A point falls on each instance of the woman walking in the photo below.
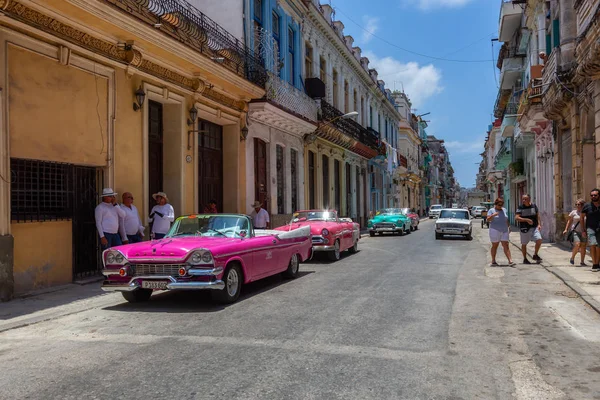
(575, 233)
(497, 217)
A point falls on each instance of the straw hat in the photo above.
(161, 194)
(256, 204)
(108, 192)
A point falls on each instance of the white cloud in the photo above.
(419, 82)
(371, 27)
(427, 5)
(474, 146)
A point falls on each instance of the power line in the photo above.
(494, 66)
(407, 50)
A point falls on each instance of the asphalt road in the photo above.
(405, 318)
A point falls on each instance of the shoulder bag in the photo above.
(571, 234)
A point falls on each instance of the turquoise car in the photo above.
(389, 220)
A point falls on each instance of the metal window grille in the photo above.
(280, 178)
(41, 190)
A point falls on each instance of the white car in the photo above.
(434, 211)
(454, 221)
(476, 211)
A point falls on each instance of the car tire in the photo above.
(293, 267)
(470, 236)
(354, 249)
(233, 285)
(417, 227)
(438, 236)
(371, 234)
(138, 295)
(336, 254)
(400, 232)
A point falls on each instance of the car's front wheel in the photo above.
(293, 267)
(438, 236)
(335, 254)
(371, 234)
(138, 295)
(354, 248)
(233, 285)
(470, 236)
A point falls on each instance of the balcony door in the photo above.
(260, 172)
(210, 165)
(155, 150)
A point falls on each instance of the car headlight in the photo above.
(325, 232)
(113, 257)
(200, 257)
(110, 258)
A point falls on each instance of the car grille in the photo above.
(457, 226)
(156, 269)
(385, 225)
(318, 240)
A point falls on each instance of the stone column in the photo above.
(568, 32)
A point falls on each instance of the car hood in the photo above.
(316, 227)
(388, 218)
(453, 221)
(174, 248)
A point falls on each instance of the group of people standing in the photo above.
(582, 229)
(121, 224)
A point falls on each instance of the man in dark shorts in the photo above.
(527, 216)
(590, 217)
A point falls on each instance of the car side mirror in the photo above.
(243, 234)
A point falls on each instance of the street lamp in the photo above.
(311, 137)
(345, 116)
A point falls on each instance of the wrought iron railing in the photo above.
(348, 126)
(290, 98)
(551, 68)
(185, 23)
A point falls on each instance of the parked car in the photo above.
(217, 252)
(329, 233)
(414, 218)
(454, 221)
(434, 210)
(389, 220)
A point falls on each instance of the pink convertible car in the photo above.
(219, 252)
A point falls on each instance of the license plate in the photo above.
(452, 230)
(154, 285)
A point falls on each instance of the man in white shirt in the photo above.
(260, 216)
(161, 216)
(130, 227)
(107, 219)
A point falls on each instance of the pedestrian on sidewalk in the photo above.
(497, 217)
(107, 216)
(527, 216)
(575, 235)
(211, 208)
(591, 225)
(260, 216)
(130, 227)
(161, 216)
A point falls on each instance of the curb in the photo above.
(566, 279)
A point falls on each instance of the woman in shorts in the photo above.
(574, 224)
(499, 230)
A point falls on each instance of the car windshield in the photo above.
(405, 211)
(302, 216)
(208, 225)
(436, 207)
(456, 214)
(389, 211)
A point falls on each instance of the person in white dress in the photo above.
(107, 216)
(161, 216)
(130, 227)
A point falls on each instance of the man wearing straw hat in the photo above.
(260, 216)
(161, 216)
(107, 215)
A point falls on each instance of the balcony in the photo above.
(510, 19)
(551, 68)
(512, 70)
(186, 24)
(588, 53)
(290, 98)
(507, 128)
(348, 133)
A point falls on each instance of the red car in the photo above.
(329, 233)
(414, 218)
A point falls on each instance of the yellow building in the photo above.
(107, 93)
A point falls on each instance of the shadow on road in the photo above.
(320, 258)
(200, 300)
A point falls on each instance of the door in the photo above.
(155, 150)
(358, 193)
(87, 182)
(210, 165)
(260, 173)
(337, 186)
(348, 191)
(312, 195)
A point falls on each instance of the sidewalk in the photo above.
(556, 260)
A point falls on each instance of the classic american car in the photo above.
(414, 218)
(219, 252)
(329, 233)
(389, 220)
(454, 221)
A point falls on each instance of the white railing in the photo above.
(289, 97)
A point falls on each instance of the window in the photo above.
(294, 178)
(358, 191)
(334, 78)
(325, 161)
(291, 54)
(337, 190)
(311, 180)
(370, 117)
(355, 101)
(40, 190)
(323, 70)
(276, 30)
(362, 110)
(308, 60)
(280, 180)
(257, 23)
(346, 97)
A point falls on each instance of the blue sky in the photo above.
(459, 95)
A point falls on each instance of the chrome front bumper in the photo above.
(134, 282)
(395, 229)
(322, 248)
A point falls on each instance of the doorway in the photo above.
(260, 173)
(155, 150)
(210, 164)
